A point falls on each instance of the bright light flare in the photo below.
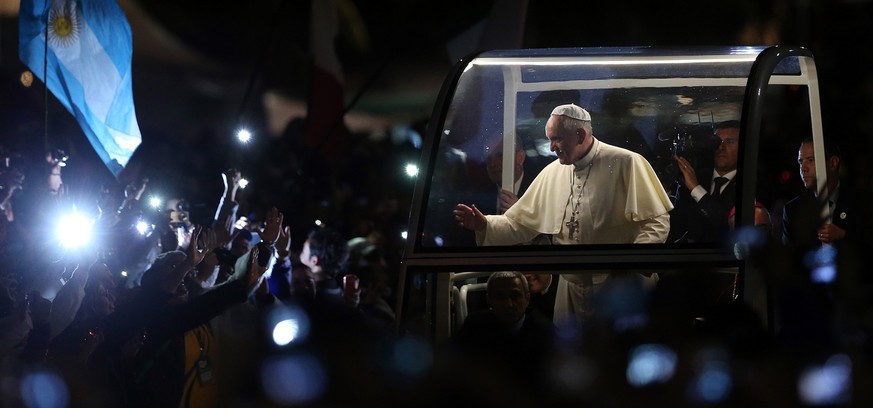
(142, 227)
(243, 135)
(155, 202)
(243, 183)
(318, 223)
(411, 170)
(74, 230)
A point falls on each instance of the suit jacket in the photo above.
(545, 302)
(483, 336)
(705, 220)
(801, 219)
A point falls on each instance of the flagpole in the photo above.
(45, 91)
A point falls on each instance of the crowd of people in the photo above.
(124, 300)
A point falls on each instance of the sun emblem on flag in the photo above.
(63, 24)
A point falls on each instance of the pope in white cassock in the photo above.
(594, 193)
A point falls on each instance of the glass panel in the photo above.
(657, 123)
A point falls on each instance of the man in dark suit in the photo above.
(702, 207)
(802, 223)
(508, 337)
(836, 217)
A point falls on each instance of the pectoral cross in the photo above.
(572, 226)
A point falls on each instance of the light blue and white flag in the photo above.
(89, 68)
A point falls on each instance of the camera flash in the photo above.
(243, 183)
(155, 202)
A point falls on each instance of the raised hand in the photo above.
(283, 244)
(256, 271)
(214, 238)
(231, 178)
(470, 217)
(507, 199)
(222, 237)
(689, 176)
(196, 256)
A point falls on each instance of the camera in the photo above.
(696, 143)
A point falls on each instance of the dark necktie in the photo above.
(719, 182)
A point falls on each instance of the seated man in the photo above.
(508, 333)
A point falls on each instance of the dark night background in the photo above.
(203, 68)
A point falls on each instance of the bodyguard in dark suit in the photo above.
(704, 202)
(848, 220)
(838, 216)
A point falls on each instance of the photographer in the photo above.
(702, 206)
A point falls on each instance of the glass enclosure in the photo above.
(657, 102)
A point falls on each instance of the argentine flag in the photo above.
(89, 53)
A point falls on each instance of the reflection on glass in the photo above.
(658, 123)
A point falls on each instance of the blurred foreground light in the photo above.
(155, 202)
(412, 357)
(293, 379)
(243, 183)
(747, 240)
(829, 384)
(712, 382)
(438, 240)
(243, 135)
(624, 301)
(650, 364)
(288, 325)
(44, 389)
(404, 234)
(411, 170)
(285, 332)
(713, 385)
(822, 264)
(572, 374)
(74, 230)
